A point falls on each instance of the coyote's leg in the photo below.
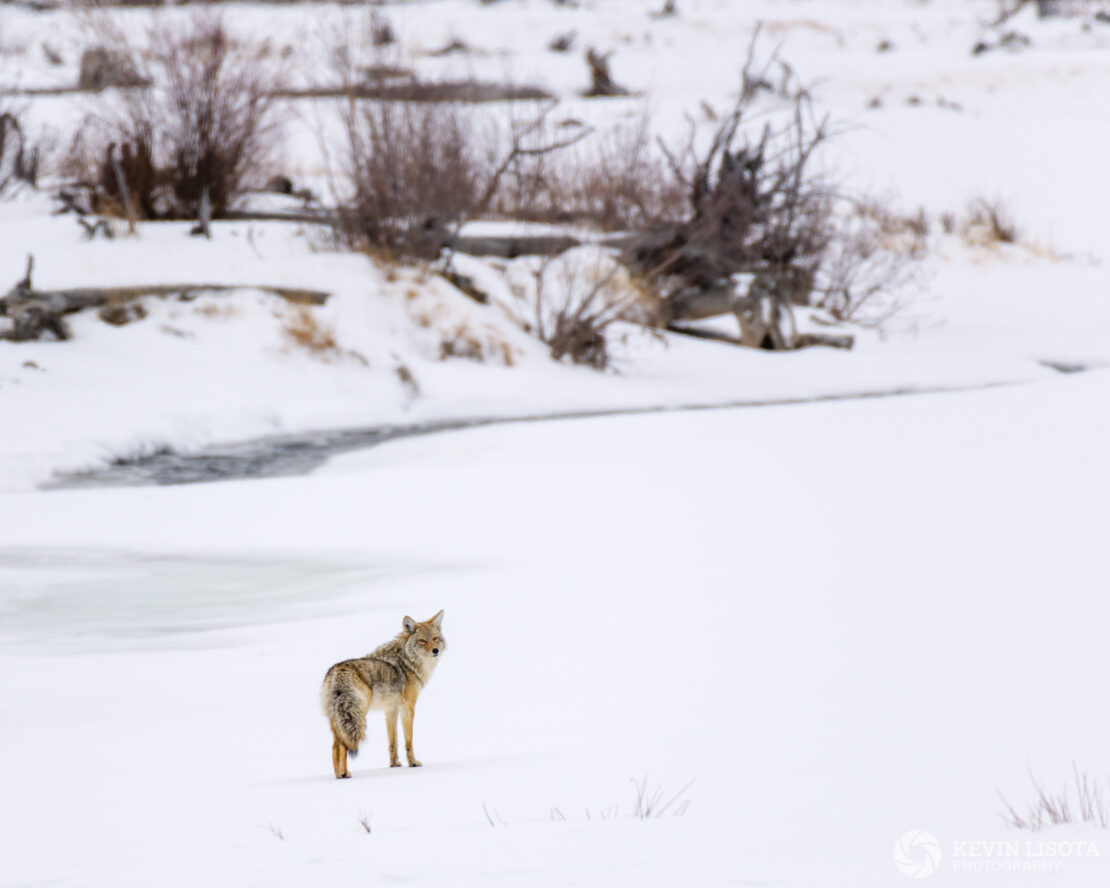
(391, 727)
(339, 757)
(407, 715)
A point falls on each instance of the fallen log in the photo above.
(829, 340)
(36, 312)
(765, 315)
(500, 246)
(513, 246)
(803, 340)
(400, 90)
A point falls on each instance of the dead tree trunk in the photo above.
(35, 313)
(765, 317)
(601, 81)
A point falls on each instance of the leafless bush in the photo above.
(576, 298)
(615, 180)
(207, 125)
(758, 203)
(755, 202)
(990, 222)
(874, 254)
(416, 172)
(1050, 809)
(407, 171)
(413, 170)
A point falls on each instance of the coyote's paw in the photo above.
(414, 763)
(394, 764)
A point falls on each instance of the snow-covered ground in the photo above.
(844, 621)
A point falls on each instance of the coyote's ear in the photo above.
(410, 625)
(437, 620)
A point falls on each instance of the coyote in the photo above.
(389, 679)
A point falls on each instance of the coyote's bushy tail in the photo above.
(342, 707)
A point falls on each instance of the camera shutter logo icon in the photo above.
(917, 854)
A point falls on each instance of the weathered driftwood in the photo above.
(504, 246)
(36, 312)
(762, 304)
(669, 10)
(101, 68)
(386, 84)
(399, 90)
(804, 340)
(601, 81)
(19, 161)
(512, 246)
(830, 340)
(203, 228)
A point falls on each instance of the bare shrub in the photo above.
(755, 202)
(206, 125)
(1051, 809)
(417, 172)
(576, 298)
(874, 254)
(989, 222)
(759, 207)
(615, 180)
(414, 171)
(407, 171)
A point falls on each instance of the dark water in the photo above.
(269, 457)
(285, 455)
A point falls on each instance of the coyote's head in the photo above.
(425, 639)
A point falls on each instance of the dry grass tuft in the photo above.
(1053, 809)
(204, 131)
(989, 222)
(654, 803)
(305, 329)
